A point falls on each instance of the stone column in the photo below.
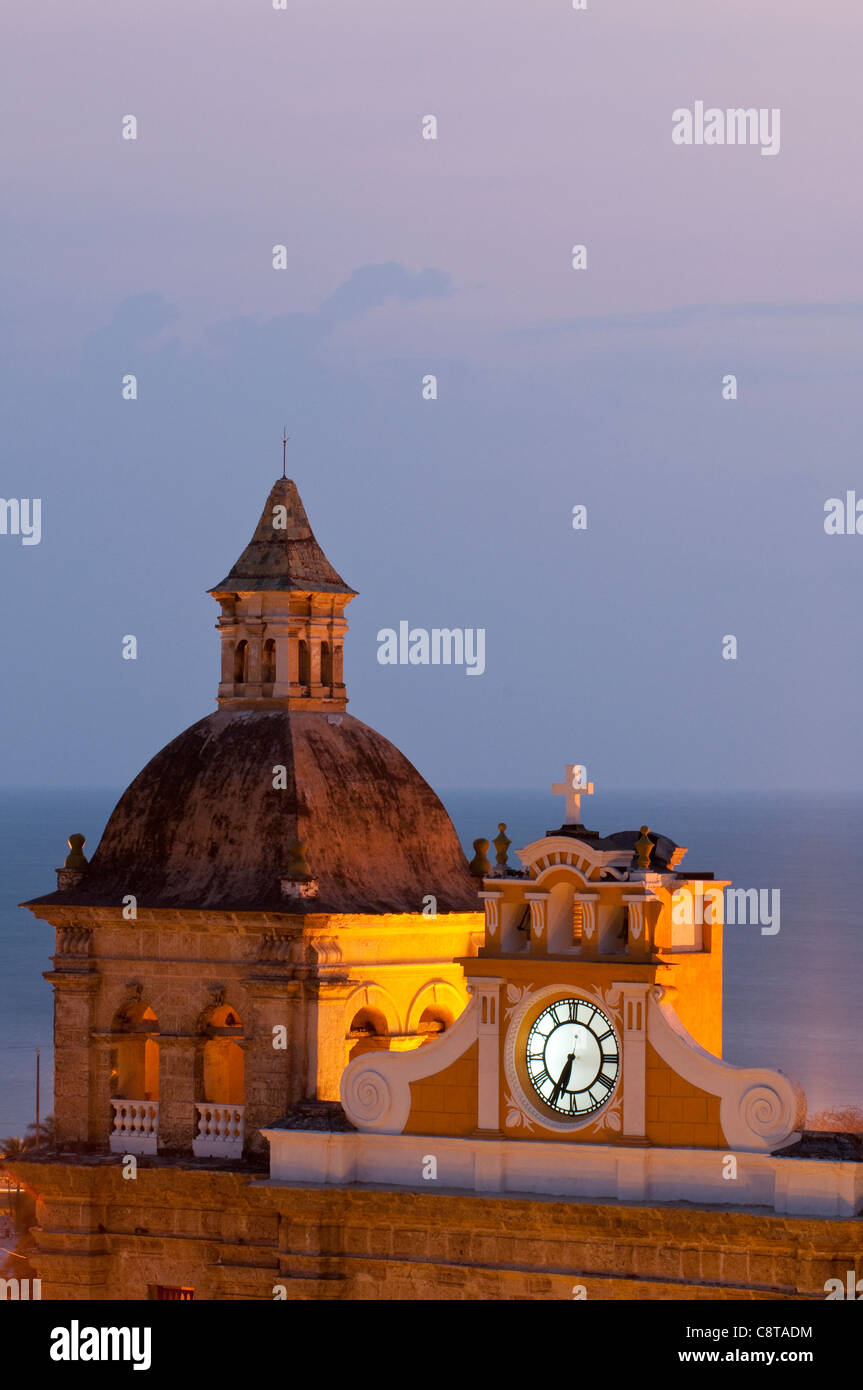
(101, 1112)
(338, 668)
(327, 1029)
(318, 633)
(74, 995)
(178, 1118)
(228, 639)
(633, 998)
(486, 994)
(273, 1072)
(256, 646)
(298, 630)
(280, 632)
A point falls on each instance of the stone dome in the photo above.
(211, 822)
(202, 826)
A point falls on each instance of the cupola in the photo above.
(282, 623)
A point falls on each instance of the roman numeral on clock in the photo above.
(603, 1080)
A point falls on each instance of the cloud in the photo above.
(657, 320)
(136, 320)
(371, 286)
(141, 318)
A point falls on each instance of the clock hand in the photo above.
(560, 1084)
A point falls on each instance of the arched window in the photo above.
(224, 1066)
(326, 664)
(224, 1061)
(241, 663)
(304, 667)
(268, 668)
(368, 1033)
(135, 1054)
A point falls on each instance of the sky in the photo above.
(556, 387)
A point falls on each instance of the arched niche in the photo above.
(224, 1072)
(437, 1002)
(367, 1032)
(222, 1078)
(564, 915)
(135, 1053)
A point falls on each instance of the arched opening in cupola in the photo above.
(326, 664)
(268, 662)
(304, 671)
(241, 663)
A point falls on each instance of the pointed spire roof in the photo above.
(283, 553)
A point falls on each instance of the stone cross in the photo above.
(574, 788)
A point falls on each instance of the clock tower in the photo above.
(596, 1012)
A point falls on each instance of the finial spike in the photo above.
(285, 438)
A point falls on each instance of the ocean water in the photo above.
(791, 1000)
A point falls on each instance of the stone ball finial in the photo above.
(76, 859)
(644, 848)
(502, 844)
(479, 865)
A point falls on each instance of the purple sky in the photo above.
(556, 387)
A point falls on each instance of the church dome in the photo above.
(203, 826)
(214, 820)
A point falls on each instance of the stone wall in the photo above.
(232, 1235)
(446, 1103)
(678, 1112)
(306, 977)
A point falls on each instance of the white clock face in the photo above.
(572, 1057)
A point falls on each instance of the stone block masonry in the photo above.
(234, 1235)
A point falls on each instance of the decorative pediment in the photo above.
(580, 855)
